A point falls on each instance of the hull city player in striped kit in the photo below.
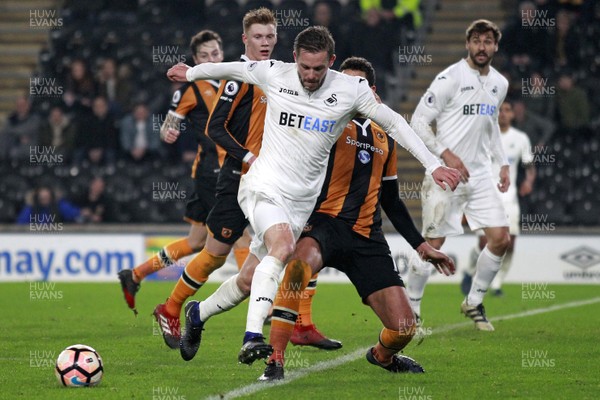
(464, 100)
(308, 106)
(191, 103)
(344, 232)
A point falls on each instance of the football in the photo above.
(78, 366)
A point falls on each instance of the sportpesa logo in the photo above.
(306, 122)
(362, 145)
(479, 109)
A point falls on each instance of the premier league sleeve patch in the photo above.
(231, 88)
(430, 99)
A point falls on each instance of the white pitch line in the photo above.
(355, 355)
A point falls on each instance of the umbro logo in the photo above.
(288, 91)
(331, 101)
(582, 257)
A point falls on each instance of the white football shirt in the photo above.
(301, 126)
(465, 106)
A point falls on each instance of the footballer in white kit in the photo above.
(308, 106)
(465, 107)
(300, 129)
(464, 100)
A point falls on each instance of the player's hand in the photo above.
(444, 175)
(177, 72)
(504, 179)
(525, 189)
(170, 135)
(440, 261)
(453, 161)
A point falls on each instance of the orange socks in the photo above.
(193, 277)
(287, 303)
(390, 342)
(240, 256)
(165, 258)
(305, 316)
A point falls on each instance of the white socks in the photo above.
(506, 264)
(262, 292)
(227, 296)
(418, 274)
(488, 265)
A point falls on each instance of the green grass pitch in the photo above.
(551, 354)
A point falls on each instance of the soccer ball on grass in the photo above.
(78, 366)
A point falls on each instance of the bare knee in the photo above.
(282, 249)
(197, 237)
(280, 241)
(499, 244)
(196, 243)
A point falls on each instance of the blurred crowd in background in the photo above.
(88, 148)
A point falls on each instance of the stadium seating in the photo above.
(565, 189)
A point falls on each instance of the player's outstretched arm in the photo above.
(255, 72)
(440, 261)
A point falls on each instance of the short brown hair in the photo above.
(205, 36)
(262, 16)
(481, 26)
(315, 39)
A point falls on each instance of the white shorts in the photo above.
(479, 200)
(265, 207)
(513, 213)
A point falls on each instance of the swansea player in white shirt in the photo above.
(517, 146)
(308, 106)
(464, 100)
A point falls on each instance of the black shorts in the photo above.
(226, 221)
(367, 263)
(202, 200)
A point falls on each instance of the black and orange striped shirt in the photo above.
(193, 102)
(237, 122)
(360, 160)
